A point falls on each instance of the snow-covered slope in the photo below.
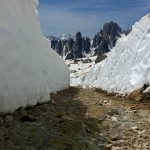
(79, 68)
(127, 67)
(29, 69)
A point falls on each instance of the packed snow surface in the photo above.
(29, 69)
(127, 67)
(78, 69)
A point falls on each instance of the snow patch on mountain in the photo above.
(78, 68)
(67, 36)
(29, 69)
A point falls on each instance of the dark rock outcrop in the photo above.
(59, 47)
(106, 38)
(127, 32)
(86, 45)
(100, 57)
(70, 55)
(71, 48)
(68, 47)
(77, 50)
(88, 60)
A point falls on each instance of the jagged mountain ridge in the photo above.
(106, 38)
(75, 46)
(71, 46)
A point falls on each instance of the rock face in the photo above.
(86, 45)
(100, 57)
(77, 47)
(106, 38)
(59, 47)
(71, 47)
(77, 50)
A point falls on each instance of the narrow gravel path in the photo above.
(78, 119)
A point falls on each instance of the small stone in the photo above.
(119, 142)
(135, 111)
(29, 118)
(114, 119)
(93, 139)
(113, 112)
(114, 138)
(134, 128)
(87, 114)
(109, 146)
(101, 145)
(100, 120)
(141, 132)
(87, 130)
(101, 134)
(125, 118)
(115, 148)
(105, 102)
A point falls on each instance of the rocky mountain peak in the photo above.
(75, 46)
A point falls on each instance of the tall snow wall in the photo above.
(29, 69)
(127, 67)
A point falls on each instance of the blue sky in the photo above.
(88, 16)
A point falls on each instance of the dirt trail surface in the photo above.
(78, 119)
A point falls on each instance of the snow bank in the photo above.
(29, 69)
(127, 67)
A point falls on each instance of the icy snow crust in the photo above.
(29, 69)
(127, 67)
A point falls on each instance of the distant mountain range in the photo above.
(75, 46)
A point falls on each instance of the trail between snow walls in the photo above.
(78, 119)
